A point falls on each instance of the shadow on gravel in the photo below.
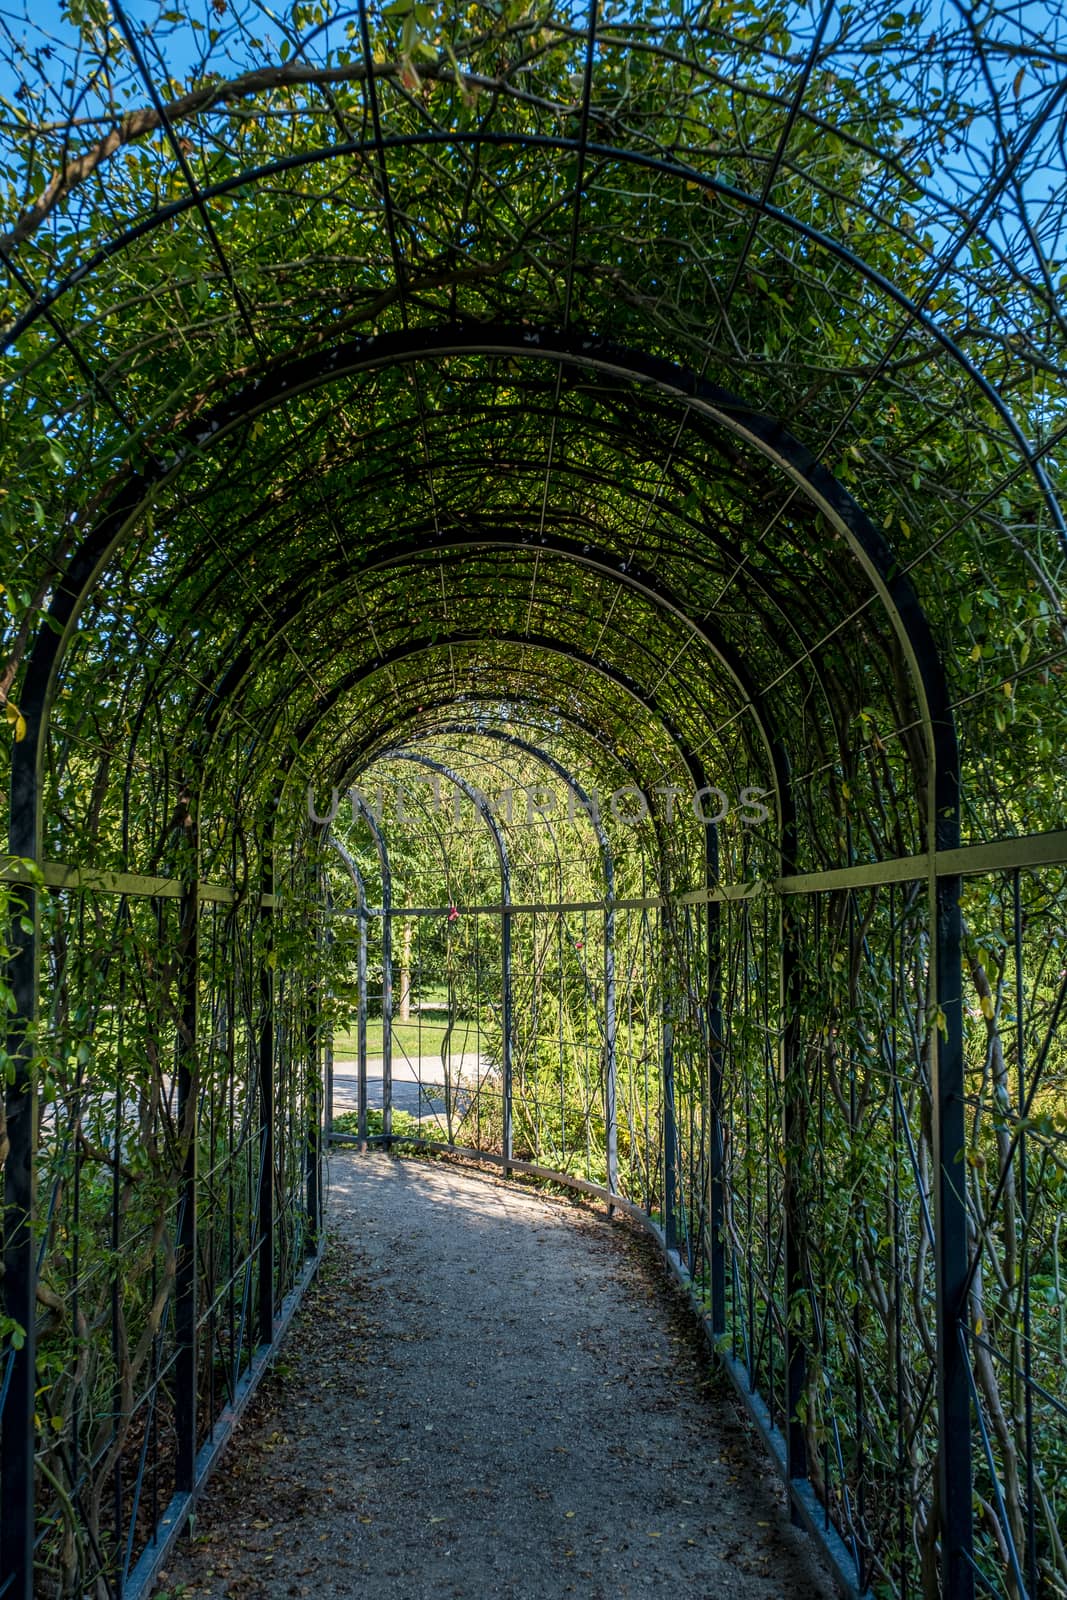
(490, 1392)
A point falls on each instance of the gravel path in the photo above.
(489, 1392)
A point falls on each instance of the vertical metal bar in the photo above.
(1024, 1206)
(713, 1012)
(361, 1023)
(186, 1363)
(794, 1138)
(611, 1120)
(265, 1318)
(670, 1132)
(950, 1168)
(328, 1054)
(116, 1241)
(506, 1007)
(363, 809)
(387, 1002)
(327, 1027)
(313, 1143)
(897, 987)
(361, 986)
(19, 1284)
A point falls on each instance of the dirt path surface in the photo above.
(489, 1392)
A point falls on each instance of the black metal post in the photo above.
(313, 1143)
(328, 1053)
(360, 805)
(794, 1120)
(266, 1115)
(361, 1023)
(506, 1008)
(714, 1023)
(361, 985)
(19, 1286)
(950, 1168)
(611, 1120)
(387, 1003)
(793, 1133)
(670, 1130)
(186, 1362)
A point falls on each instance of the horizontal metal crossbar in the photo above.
(1003, 855)
(97, 880)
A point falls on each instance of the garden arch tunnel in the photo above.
(414, 384)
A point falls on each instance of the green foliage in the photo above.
(877, 261)
(404, 1125)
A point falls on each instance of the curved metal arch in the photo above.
(759, 204)
(365, 756)
(767, 437)
(361, 995)
(446, 749)
(388, 731)
(382, 851)
(420, 538)
(692, 765)
(781, 450)
(650, 588)
(481, 804)
(601, 562)
(629, 575)
(512, 741)
(690, 760)
(712, 1009)
(776, 445)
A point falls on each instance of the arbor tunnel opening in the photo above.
(535, 585)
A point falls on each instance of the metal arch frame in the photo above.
(653, 591)
(481, 804)
(794, 1457)
(605, 564)
(701, 632)
(415, 538)
(942, 832)
(608, 863)
(793, 1451)
(361, 992)
(532, 642)
(582, 553)
(900, 602)
(789, 1062)
(713, 912)
(766, 436)
(387, 731)
(601, 563)
(760, 205)
(382, 850)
